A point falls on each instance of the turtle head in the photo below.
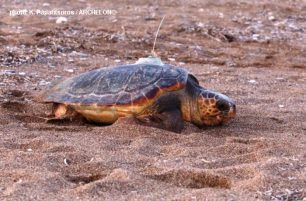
(214, 108)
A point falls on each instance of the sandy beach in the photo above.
(254, 52)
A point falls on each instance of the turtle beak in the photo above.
(230, 114)
(232, 111)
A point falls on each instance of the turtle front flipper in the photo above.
(170, 120)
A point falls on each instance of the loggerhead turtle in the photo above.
(147, 90)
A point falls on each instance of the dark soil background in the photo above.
(252, 51)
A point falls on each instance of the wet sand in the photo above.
(252, 52)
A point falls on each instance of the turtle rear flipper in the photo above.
(61, 113)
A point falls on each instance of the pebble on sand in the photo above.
(252, 81)
(44, 82)
(69, 70)
(61, 20)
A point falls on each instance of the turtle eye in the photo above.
(223, 106)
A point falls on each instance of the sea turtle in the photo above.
(148, 90)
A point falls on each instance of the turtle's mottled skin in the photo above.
(147, 90)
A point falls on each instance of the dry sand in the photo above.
(253, 52)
